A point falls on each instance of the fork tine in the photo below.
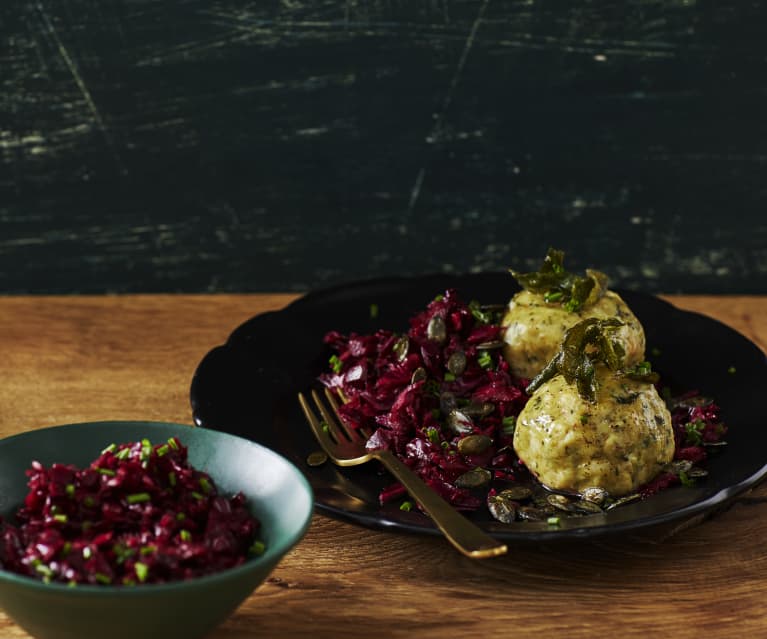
(319, 432)
(351, 433)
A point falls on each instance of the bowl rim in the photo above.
(272, 554)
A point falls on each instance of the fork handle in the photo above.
(463, 534)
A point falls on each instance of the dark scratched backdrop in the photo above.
(258, 145)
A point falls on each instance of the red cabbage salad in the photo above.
(138, 514)
(441, 397)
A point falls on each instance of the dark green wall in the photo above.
(275, 146)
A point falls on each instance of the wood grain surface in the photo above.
(70, 359)
(252, 145)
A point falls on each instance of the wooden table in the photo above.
(71, 359)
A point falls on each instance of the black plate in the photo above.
(248, 387)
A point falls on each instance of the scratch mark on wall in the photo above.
(81, 85)
(439, 122)
(188, 50)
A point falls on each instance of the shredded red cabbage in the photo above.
(398, 389)
(137, 514)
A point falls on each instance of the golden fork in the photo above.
(346, 447)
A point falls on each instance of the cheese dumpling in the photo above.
(553, 300)
(533, 329)
(617, 443)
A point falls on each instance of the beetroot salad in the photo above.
(440, 396)
(138, 514)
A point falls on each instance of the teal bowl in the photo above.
(277, 492)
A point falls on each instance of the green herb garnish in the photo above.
(335, 363)
(485, 360)
(583, 345)
(694, 432)
(686, 480)
(643, 372)
(142, 571)
(433, 435)
(559, 286)
(509, 424)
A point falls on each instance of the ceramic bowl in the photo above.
(277, 493)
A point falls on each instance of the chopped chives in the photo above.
(137, 498)
(185, 535)
(173, 443)
(70, 490)
(142, 571)
(553, 521)
(485, 360)
(123, 552)
(106, 471)
(197, 495)
(509, 424)
(172, 478)
(123, 454)
(686, 480)
(61, 518)
(162, 450)
(257, 548)
(102, 578)
(205, 485)
(335, 363)
(109, 449)
(180, 516)
(407, 506)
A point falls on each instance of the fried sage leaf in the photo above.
(583, 345)
(558, 285)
